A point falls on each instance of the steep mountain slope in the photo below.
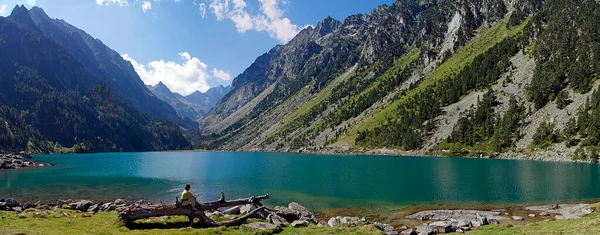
(482, 78)
(193, 106)
(49, 100)
(106, 65)
(177, 101)
(373, 42)
(208, 99)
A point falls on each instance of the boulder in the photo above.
(544, 213)
(302, 212)
(276, 219)
(108, 207)
(17, 209)
(121, 202)
(245, 209)
(262, 226)
(531, 215)
(214, 214)
(63, 202)
(441, 227)
(94, 208)
(352, 221)
(460, 231)
(299, 208)
(10, 202)
(322, 224)
(28, 205)
(384, 227)
(463, 223)
(514, 217)
(229, 217)
(409, 231)
(233, 211)
(81, 205)
(483, 220)
(333, 222)
(287, 213)
(299, 223)
(493, 221)
(3, 206)
(424, 229)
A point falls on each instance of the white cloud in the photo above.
(108, 2)
(146, 6)
(183, 78)
(220, 74)
(3, 9)
(270, 19)
(185, 55)
(202, 9)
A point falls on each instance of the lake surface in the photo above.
(316, 181)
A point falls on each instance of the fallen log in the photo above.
(133, 213)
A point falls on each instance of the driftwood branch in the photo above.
(130, 214)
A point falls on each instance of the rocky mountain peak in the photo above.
(39, 11)
(161, 87)
(327, 26)
(21, 14)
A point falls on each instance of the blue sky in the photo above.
(194, 44)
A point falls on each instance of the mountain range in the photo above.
(63, 91)
(193, 106)
(490, 78)
(471, 78)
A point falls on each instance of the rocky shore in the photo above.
(18, 161)
(296, 215)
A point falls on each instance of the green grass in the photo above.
(486, 39)
(70, 222)
(586, 225)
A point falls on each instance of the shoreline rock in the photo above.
(18, 161)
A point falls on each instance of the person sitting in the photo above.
(188, 198)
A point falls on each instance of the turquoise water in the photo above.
(317, 181)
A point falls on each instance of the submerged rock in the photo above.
(518, 218)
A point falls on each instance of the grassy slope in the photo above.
(486, 39)
(587, 225)
(56, 222)
(320, 97)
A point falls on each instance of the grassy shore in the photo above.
(69, 222)
(61, 222)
